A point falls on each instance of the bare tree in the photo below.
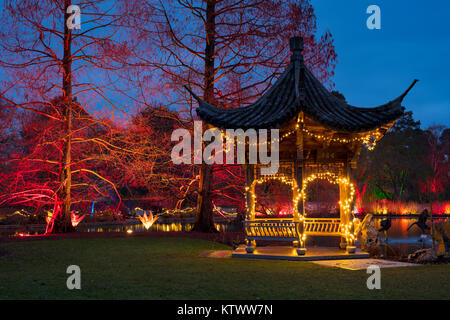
(55, 71)
(231, 51)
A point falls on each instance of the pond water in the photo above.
(407, 241)
(398, 236)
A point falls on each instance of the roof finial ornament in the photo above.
(296, 44)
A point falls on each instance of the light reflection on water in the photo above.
(407, 241)
(398, 235)
(397, 232)
(157, 227)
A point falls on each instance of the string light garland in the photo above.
(347, 228)
(369, 140)
(297, 197)
(283, 179)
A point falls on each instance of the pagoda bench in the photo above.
(272, 230)
(289, 230)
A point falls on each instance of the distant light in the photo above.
(76, 219)
(129, 231)
(21, 234)
(147, 221)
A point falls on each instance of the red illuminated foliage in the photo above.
(230, 51)
(147, 171)
(41, 58)
(437, 160)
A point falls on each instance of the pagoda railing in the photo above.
(323, 226)
(272, 229)
(287, 229)
(290, 229)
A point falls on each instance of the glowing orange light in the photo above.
(76, 219)
(49, 216)
(148, 221)
(447, 208)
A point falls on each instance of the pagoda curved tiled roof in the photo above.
(296, 90)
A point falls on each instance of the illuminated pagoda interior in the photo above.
(320, 138)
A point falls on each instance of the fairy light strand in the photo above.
(347, 230)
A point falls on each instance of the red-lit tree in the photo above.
(147, 170)
(436, 158)
(43, 58)
(231, 51)
(395, 165)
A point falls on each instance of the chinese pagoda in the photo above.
(320, 138)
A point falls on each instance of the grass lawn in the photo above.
(170, 268)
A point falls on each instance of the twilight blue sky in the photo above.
(375, 66)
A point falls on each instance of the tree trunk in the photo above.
(65, 224)
(204, 221)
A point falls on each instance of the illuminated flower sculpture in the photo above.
(148, 221)
(76, 219)
(49, 216)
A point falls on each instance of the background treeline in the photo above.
(408, 164)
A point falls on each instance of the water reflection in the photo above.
(157, 227)
(398, 235)
(407, 241)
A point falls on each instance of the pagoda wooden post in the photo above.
(350, 246)
(250, 201)
(299, 169)
(344, 191)
(298, 173)
(249, 178)
(342, 197)
(299, 166)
